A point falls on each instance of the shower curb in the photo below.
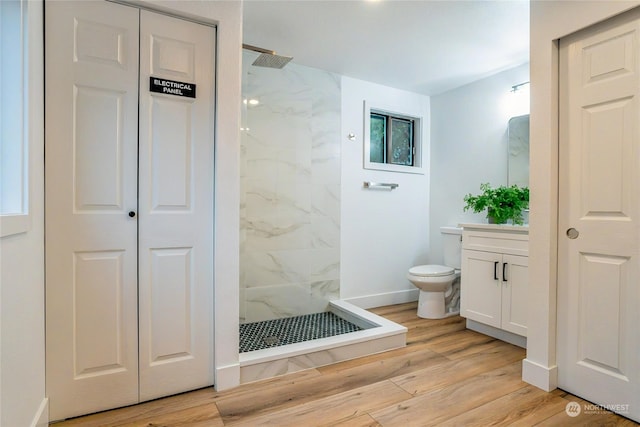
(381, 335)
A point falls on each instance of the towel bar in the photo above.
(384, 185)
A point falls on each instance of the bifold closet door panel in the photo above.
(91, 186)
(175, 205)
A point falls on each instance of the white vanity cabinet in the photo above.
(494, 277)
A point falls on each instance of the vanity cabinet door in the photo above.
(481, 287)
(514, 293)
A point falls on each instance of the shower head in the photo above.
(268, 58)
(271, 60)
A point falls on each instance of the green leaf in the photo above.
(502, 203)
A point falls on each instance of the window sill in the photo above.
(393, 168)
(14, 224)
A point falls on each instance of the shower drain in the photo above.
(271, 340)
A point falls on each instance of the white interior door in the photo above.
(91, 186)
(129, 206)
(176, 208)
(599, 228)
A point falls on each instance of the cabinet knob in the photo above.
(572, 233)
(132, 214)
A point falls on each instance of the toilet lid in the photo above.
(431, 270)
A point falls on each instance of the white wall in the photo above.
(22, 377)
(550, 20)
(469, 143)
(383, 233)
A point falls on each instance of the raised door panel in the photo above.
(171, 312)
(602, 312)
(480, 288)
(98, 150)
(91, 174)
(515, 292)
(171, 161)
(97, 312)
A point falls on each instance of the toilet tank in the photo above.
(451, 246)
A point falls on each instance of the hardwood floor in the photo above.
(445, 376)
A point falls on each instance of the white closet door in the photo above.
(599, 261)
(175, 208)
(91, 186)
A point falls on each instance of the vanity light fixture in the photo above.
(518, 99)
(518, 87)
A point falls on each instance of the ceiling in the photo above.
(423, 46)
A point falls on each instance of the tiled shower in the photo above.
(290, 312)
(290, 191)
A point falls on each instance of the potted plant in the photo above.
(502, 203)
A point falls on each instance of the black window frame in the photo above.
(388, 141)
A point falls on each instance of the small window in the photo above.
(392, 141)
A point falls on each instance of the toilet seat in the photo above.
(431, 270)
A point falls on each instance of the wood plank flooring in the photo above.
(446, 376)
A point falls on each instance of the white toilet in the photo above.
(439, 285)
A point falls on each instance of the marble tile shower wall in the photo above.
(290, 192)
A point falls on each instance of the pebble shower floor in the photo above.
(290, 330)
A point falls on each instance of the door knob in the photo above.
(132, 214)
(572, 233)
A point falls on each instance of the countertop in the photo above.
(498, 227)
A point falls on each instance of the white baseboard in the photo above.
(227, 377)
(41, 418)
(389, 298)
(540, 376)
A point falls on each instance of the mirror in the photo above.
(518, 162)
